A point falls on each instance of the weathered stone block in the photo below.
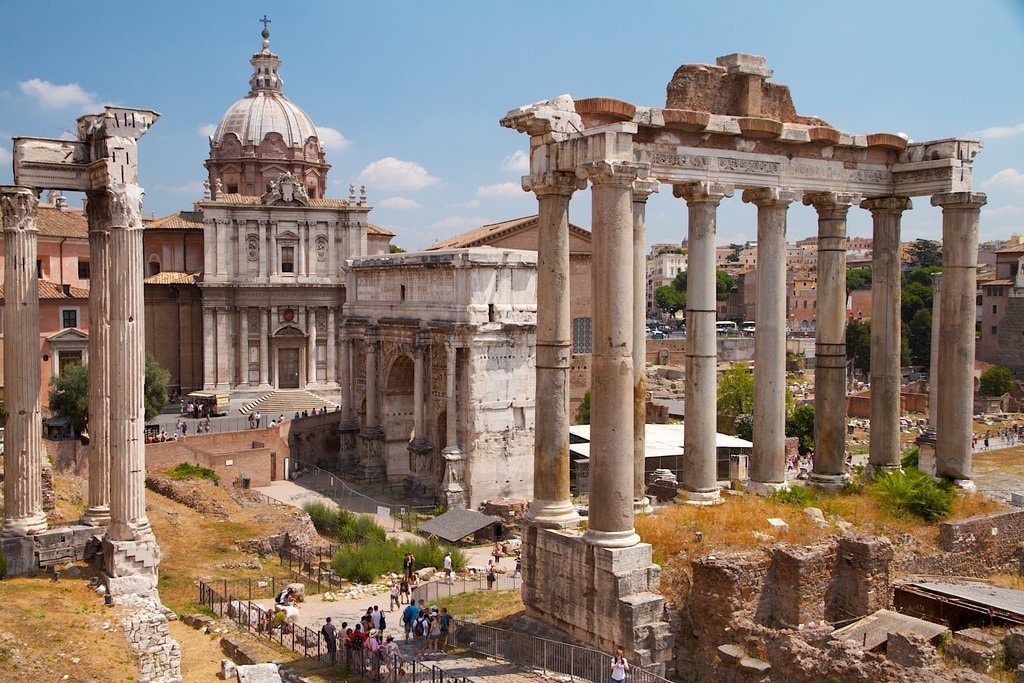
(19, 552)
(1013, 645)
(730, 654)
(910, 650)
(755, 667)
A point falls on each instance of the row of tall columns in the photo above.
(23, 453)
(611, 444)
(551, 506)
(698, 478)
(768, 466)
(830, 344)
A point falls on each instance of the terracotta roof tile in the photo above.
(51, 290)
(377, 230)
(54, 222)
(478, 237)
(170, 277)
(181, 220)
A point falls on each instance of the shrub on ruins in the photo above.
(186, 470)
(911, 458)
(342, 524)
(912, 493)
(366, 562)
(996, 381)
(796, 496)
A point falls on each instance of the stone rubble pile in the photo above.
(148, 636)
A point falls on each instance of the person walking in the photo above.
(330, 634)
(448, 567)
(407, 564)
(620, 667)
(394, 597)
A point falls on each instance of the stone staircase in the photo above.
(286, 402)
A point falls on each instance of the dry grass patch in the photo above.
(495, 608)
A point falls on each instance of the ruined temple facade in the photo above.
(275, 248)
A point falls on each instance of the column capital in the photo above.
(421, 340)
(771, 196)
(703, 192)
(613, 172)
(555, 183)
(115, 205)
(960, 200)
(644, 188)
(19, 207)
(833, 205)
(893, 205)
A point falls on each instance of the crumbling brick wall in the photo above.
(978, 546)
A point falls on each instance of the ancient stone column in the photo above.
(97, 513)
(933, 357)
(371, 379)
(886, 213)
(960, 220)
(311, 377)
(453, 493)
(830, 344)
(768, 469)
(642, 189)
(332, 348)
(222, 349)
(128, 521)
(264, 349)
(243, 346)
(699, 475)
(273, 256)
(23, 453)
(371, 437)
(552, 506)
(349, 426)
(420, 448)
(300, 267)
(209, 348)
(611, 424)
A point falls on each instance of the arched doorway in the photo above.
(289, 355)
(397, 418)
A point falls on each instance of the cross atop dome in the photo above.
(265, 63)
(265, 33)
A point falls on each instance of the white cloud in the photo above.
(471, 204)
(460, 222)
(398, 203)
(332, 139)
(500, 190)
(1007, 179)
(518, 162)
(996, 132)
(207, 130)
(5, 155)
(53, 96)
(392, 172)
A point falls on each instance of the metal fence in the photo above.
(580, 663)
(260, 622)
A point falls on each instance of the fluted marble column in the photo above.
(886, 332)
(830, 344)
(961, 212)
(97, 513)
(128, 521)
(699, 475)
(611, 431)
(23, 454)
(642, 190)
(768, 469)
(551, 506)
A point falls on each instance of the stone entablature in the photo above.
(431, 335)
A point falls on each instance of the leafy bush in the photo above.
(186, 470)
(343, 525)
(912, 493)
(797, 496)
(366, 562)
(911, 458)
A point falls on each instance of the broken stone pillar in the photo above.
(830, 345)
(453, 493)
(960, 221)
(642, 189)
(23, 452)
(611, 442)
(768, 466)
(885, 330)
(130, 550)
(552, 506)
(97, 513)
(699, 476)
(861, 583)
(371, 436)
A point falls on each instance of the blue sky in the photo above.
(408, 95)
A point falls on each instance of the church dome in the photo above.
(254, 116)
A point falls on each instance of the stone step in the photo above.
(286, 402)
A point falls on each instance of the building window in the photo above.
(154, 268)
(287, 259)
(83, 270)
(401, 293)
(69, 317)
(232, 189)
(66, 358)
(994, 308)
(582, 335)
(994, 328)
(39, 269)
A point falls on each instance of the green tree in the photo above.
(734, 255)
(743, 426)
(919, 337)
(679, 281)
(723, 284)
(925, 254)
(858, 344)
(395, 249)
(669, 299)
(735, 395)
(923, 276)
(69, 393)
(857, 278)
(996, 381)
(583, 410)
(801, 425)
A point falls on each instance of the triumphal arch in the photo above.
(724, 132)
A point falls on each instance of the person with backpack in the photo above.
(420, 632)
(620, 667)
(409, 615)
(330, 633)
(446, 625)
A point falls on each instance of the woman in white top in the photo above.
(619, 666)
